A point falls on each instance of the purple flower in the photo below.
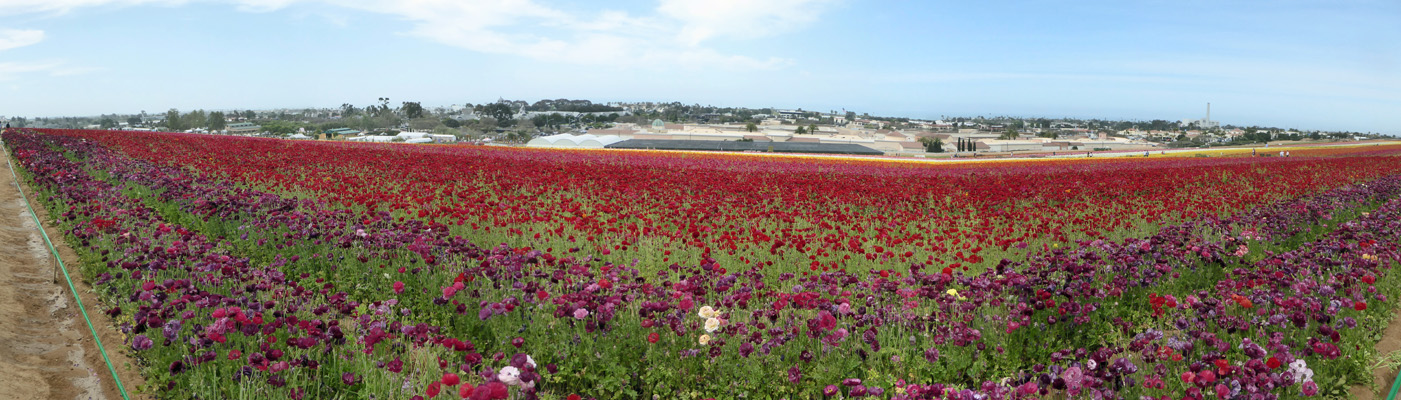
(141, 342)
(794, 375)
(829, 391)
(348, 378)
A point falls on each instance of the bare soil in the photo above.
(1382, 377)
(46, 351)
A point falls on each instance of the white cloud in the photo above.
(672, 37)
(11, 70)
(706, 19)
(15, 7)
(15, 38)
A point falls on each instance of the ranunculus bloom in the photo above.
(712, 324)
(653, 337)
(451, 379)
(704, 340)
(581, 313)
(518, 342)
(1310, 388)
(398, 287)
(707, 312)
(141, 342)
(433, 389)
(509, 375)
(1360, 306)
(465, 391)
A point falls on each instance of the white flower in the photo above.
(707, 312)
(509, 375)
(1300, 371)
(704, 339)
(712, 324)
(529, 361)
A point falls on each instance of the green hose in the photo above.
(40, 226)
(1395, 384)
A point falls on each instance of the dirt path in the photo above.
(46, 351)
(1391, 341)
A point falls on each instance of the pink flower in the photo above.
(398, 287)
(1310, 388)
(581, 313)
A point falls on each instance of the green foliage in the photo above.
(216, 121)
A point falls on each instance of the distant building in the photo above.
(1204, 123)
(243, 127)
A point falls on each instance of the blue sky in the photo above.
(1333, 65)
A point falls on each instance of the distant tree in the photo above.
(800, 130)
(850, 116)
(172, 120)
(424, 124)
(348, 110)
(216, 121)
(751, 127)
(502, 113)
(444, 130)
(1009, 134)
(133, 121)
(411, 110)
(279, 127)
(451, 123)
(383, 107)
(194, 119)
(249, 114)
(107, 123)
(812, 128)
(932, 144)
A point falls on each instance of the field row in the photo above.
(229, 286)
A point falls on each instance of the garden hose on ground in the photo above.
(1395, 384)
(40, 225)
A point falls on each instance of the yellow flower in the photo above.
(954, 293)
(704, 339)
(707, 312)
(712, 324)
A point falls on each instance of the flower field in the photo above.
(242, 267)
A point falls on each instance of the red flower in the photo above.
(451, 379)
(498, 390)
(542, 295)
(1272, 363)
(518, 342)
(1369, 279)
(573, 397)
(434, 388)
(653, 337)
(1360, 306)
(605, 283)
(465, 391)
